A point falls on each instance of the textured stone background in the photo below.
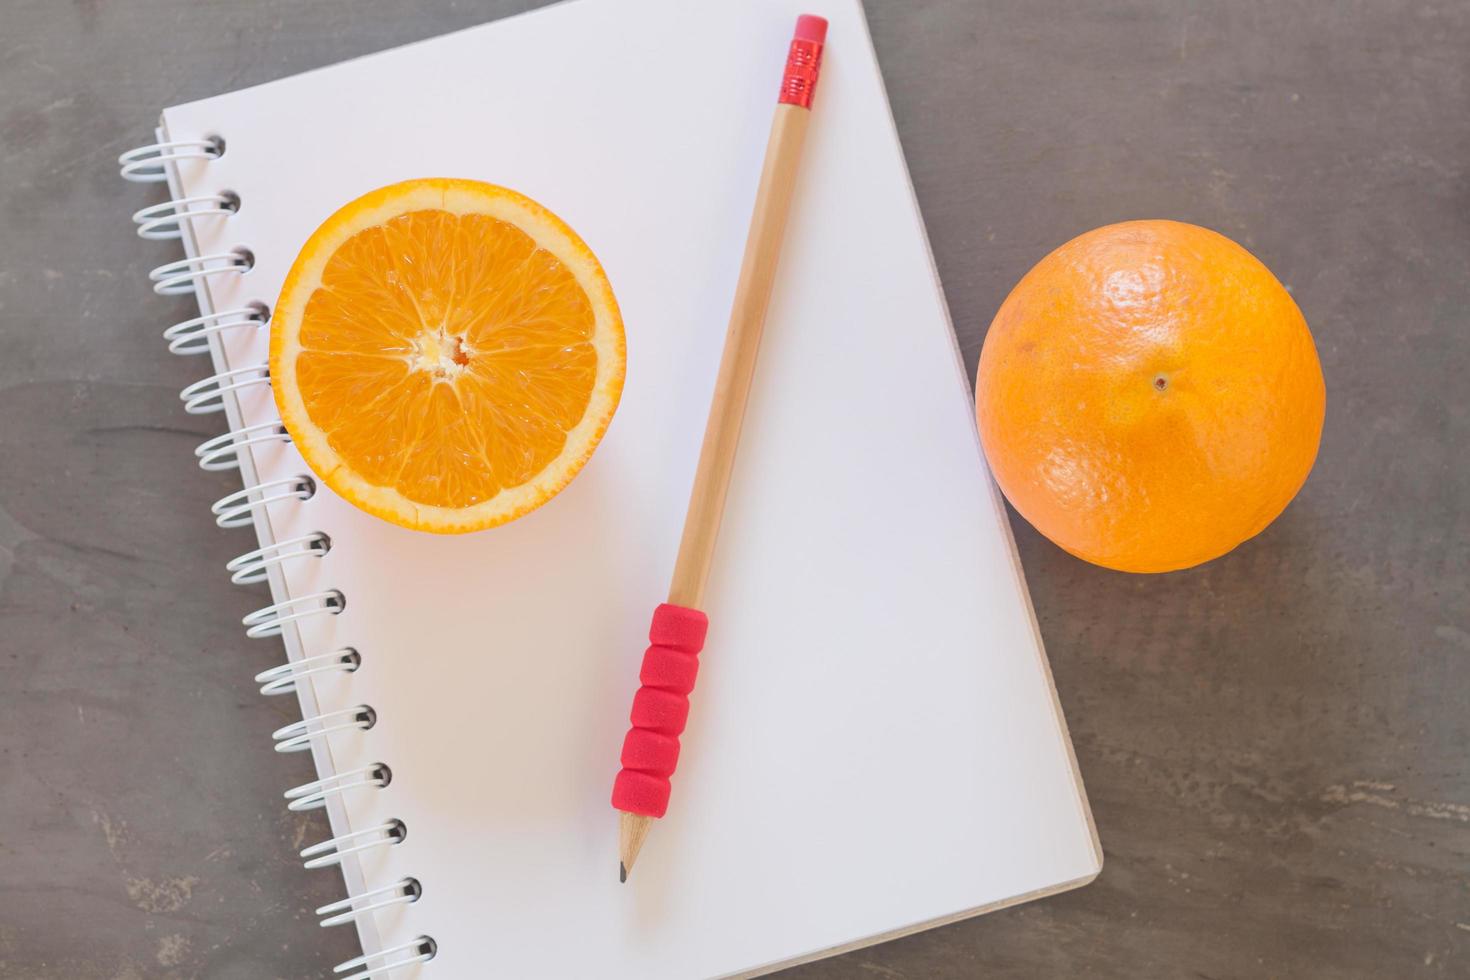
(1274, 744)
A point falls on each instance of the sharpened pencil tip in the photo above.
(632, 829)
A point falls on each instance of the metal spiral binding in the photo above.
(332, 850)
(269, 620)
(298, 736)
(222, 452)
(148, 164)
(238, 509)
(194, 336)
(313, 795)
(177, 278)
(405, 891)
(420, 950)
(160, 222)
(282, 679)
(253, 566)
(208, 394)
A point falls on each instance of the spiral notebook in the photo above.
(876, 745)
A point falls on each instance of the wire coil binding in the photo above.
(253, 566)
(298, 736)
(269, 620)
(165, 221)
(148, 164)
(419, 950)
(160, 222)
(177, 278)
(192, 336)
(282, 679)
(332, 850)
(222, 452)
(238, 509)
(405, 891)
(208, 394)
(313, 795)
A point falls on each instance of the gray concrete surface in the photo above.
(1275, 743)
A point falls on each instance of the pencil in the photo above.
(661, 706)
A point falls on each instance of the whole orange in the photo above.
(1149, 396)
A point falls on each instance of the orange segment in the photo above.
(446, 354)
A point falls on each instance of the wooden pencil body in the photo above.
(732, 390)
(737, 364)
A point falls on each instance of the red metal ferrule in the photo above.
(803, 63)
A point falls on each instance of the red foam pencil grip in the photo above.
(660, 709)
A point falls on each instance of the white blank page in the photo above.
(874, 742)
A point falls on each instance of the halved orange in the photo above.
(446, 354)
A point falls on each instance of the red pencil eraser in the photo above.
(803, 61)
(810, 27)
